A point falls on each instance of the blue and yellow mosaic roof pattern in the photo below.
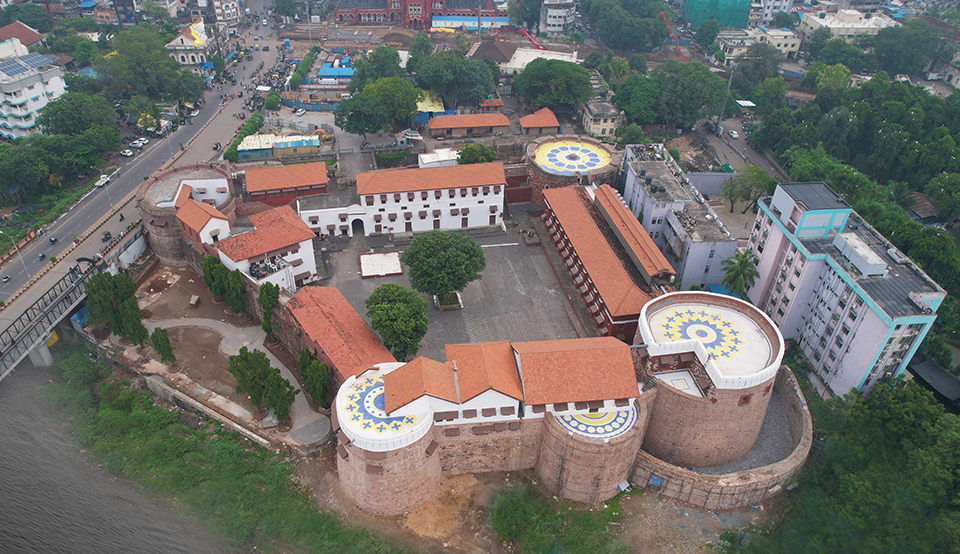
(719, 336)
(603, 425)
(567, 157)
(365, 406)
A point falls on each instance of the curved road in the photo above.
(87, 213)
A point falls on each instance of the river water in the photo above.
(54, 499)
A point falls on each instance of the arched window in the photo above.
(183, 59)
(393, 17)
(201, 58)
(193, 59)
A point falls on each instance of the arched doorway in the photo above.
(357, 227)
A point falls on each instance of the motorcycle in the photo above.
(121, 217)
(6, 278)
(42, 255)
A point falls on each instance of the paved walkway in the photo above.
(308, 425)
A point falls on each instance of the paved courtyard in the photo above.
(518, 298)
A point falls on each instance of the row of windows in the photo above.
(438, 194)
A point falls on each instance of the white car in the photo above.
(301, 111)
(734, 134)
(144, 141)
(194, 113)
(126, 153)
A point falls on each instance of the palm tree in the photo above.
(740, 272)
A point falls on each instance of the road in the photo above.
(733, 150)
(89, 211)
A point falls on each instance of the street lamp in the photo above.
(15, 247)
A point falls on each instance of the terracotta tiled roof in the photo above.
(195, 214)
(332, 323)
(286, 176)
(184, 195)
(543, 117)
(615, 278)
(482, 366)
(498, 50)
(26, 34)
(576, 370)
(491, 102)
(430, 178)
(468, 120)
(275, 229)
(633, 236)
(416, 378)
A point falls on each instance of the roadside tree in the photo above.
(161, 343)
(250, 369)
(278, 394)
(75, 112)
(236, 295)
(817, 40)
(477, 153)
(269, 295)
(458, 80)
(105, 295)
(442, 263)
(399, 315)
(131, 322)
(688, 92)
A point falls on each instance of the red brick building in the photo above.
(610, 257)
(279, 185)
(411, 14)
(540, 122)
(465, 125)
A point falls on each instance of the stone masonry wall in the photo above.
(734, 490)
(583, 469)
(463, 451)
(390, 483)
(703, 432)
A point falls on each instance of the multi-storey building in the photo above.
(772, 7)
(194, 46)
(602, 118)
(735, 42)
(28, 82)
(845, 24)
(227, 12)
(682, 225)
(412, 200)
(557, 16)
(857, 307)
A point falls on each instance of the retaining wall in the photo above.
(463, 451)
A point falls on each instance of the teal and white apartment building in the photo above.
(856, 306)
(28, 82)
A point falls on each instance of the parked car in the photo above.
(105, 236)
(126, 153)
(216, 146)
(734, 134)
(266, 48)
(300, 111)
(194, 113)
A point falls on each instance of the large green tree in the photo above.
(553, 83)
(251, 370)
(278, 394)
(161, 343)
(442, 262)
(476, 154)
(131, 322)
(905, 48)
(707, 33)
(458, 80)
(817, 40)
(29, 14)
(105, 295)
(236, 295)
(269, 295)
(316, 378)
(361, 114)
(740, 273)
(422, 45)
(639, 98)
(688, 92)
(397, 95)
(74, 113)
(525, 13)
(384, 61)
(761, 61)
(399, 315)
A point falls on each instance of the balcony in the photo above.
(261, 270)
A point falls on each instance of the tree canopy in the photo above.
(707, 33)
(689, 92)
(761, 61)
(75, 112)
(476, 154)
(553, 83)
(639, 98)
(105, 294)
(905, 48)
(458, 80)
(362, 114)
(525, 12)
(384, 61)
(32, 15)
(627, 24)
(740, 273)
(397, 95)
(442, 262)
(399, 315)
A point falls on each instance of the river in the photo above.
(53, 498)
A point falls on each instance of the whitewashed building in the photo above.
(28, 82)
(413, 200)
(279, 250)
